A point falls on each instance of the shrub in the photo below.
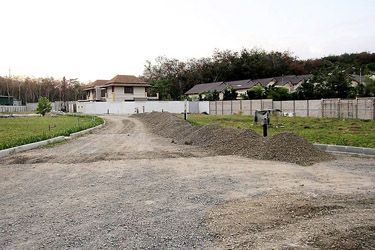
(44, 106)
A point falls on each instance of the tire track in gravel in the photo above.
(123, 188)
(121, 138)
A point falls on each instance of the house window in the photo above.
(128, 90)
(113, 89)
(103, 92)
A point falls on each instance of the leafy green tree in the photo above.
(44, 106)
(212, 96)
(370, 86)
(256, 92)
(244, 96)
(338, 84)
(230, 94)
(278, 94)
(306, 91)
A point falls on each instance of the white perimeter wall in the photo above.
(130, 107)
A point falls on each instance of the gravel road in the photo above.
(123, 187)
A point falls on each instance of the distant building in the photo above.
(6, 100)
(291, 82)
(121, 88)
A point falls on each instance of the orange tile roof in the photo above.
(124, 79)
(96, 83)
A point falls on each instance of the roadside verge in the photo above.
(14, 150)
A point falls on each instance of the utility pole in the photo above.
(8, 86)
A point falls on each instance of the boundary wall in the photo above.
(360, 108)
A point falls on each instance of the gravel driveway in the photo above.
(122, 187)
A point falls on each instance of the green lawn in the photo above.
(348, 132)
(23, 130)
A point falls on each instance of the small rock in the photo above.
(188, 142)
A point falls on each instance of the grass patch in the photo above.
(336, 131)
(24, 130)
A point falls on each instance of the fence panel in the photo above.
(315, 108)
(212, 107)
(361, 108)
(11, 109)
(246, 107)
(301, 108)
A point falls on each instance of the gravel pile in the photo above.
(285, 147)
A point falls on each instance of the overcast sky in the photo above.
(93, 40)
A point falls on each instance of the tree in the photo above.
(306, 91)
(44, 106)
(338, 84)
(212, 96)
(278, 93)
(256, 92)
(230, 94)
(370, 86)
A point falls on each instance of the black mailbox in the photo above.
(262, 116)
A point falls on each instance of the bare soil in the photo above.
(123, 187)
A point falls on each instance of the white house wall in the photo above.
(121, 96)
(131, 107)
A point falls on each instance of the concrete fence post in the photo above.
(356, 108)
(322, 106)
(281, 105)
(222, 107)
(307, 108)
(373, 108)
(338, 108)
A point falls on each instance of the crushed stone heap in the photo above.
(285, 147)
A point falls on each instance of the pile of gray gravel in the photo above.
(285, 147)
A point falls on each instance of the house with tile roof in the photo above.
(91, 89)
(291, 82)
(119, 89)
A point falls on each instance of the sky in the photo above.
(92, 40)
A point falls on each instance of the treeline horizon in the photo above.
(171, 77)
(29, 90)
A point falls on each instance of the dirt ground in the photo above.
(122, 187)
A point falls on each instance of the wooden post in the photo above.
(222, 107)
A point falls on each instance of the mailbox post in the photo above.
(264, 129)
(263, 116)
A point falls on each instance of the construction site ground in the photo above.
(123, 187)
